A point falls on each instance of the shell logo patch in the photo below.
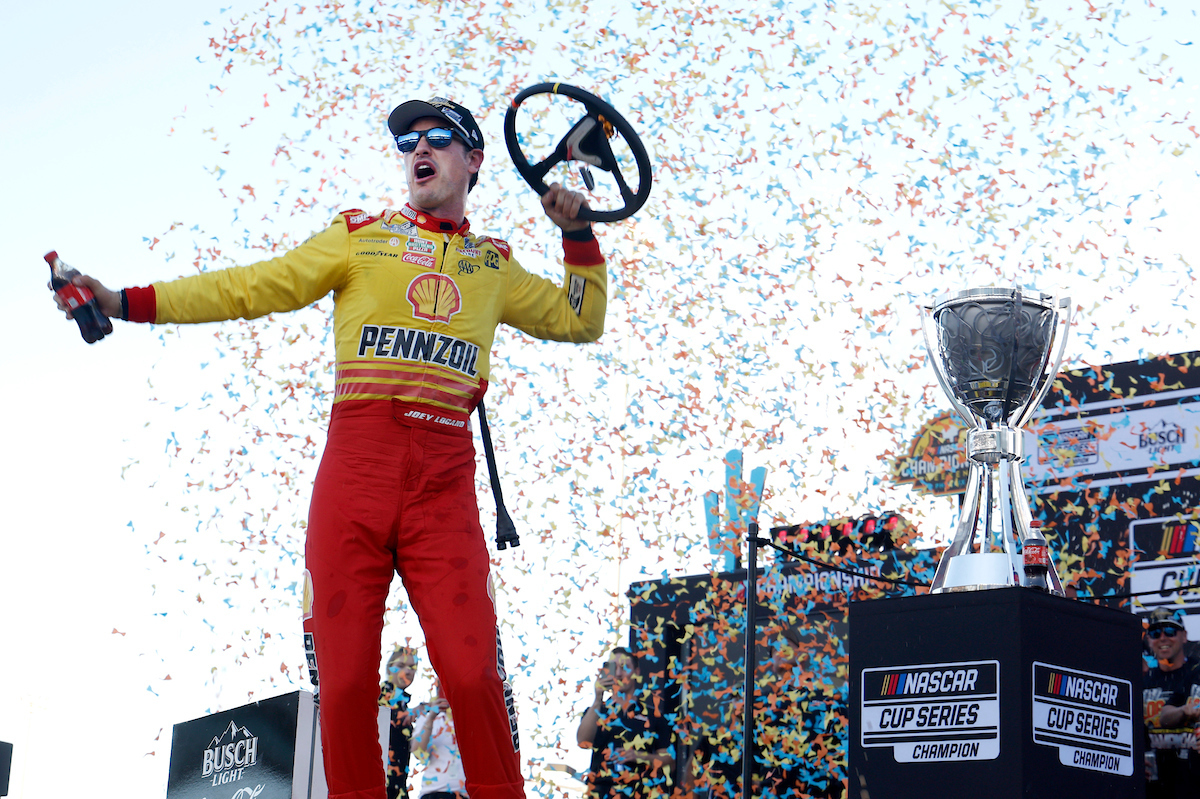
(434, 297)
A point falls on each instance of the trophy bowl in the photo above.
(993, 344)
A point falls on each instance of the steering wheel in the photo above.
(586, 141)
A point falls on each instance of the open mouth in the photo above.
(424, 171)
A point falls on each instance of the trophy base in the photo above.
(1039, 664)
(977, 571)
(960, 589)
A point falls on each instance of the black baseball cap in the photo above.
(1164, 617)
(460, 119)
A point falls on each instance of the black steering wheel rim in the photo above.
(589, 130)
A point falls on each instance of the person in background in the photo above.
(787, 738)
(437, 748)
(393, 694)
(1171, 706)
(632, 744)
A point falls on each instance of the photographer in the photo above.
(632, 744)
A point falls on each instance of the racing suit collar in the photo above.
(434, 224)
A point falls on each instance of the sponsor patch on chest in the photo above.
(421, 245)
(426, 261)
(434, 297)
(407, 228)
(419, 346)
(356, 219)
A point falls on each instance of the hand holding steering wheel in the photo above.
(586, 141)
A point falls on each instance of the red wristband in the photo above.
(143, 306)
(582, 253)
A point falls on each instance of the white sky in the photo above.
(89, 169)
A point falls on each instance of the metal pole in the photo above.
(751, 664)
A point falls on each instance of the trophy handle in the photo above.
(931, 352)
(965, 531)
(1023, 517)
(1064, 314)
(1010, 482)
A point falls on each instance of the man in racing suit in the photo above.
(417, 298)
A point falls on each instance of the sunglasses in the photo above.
(438, 138)
(1158, 632)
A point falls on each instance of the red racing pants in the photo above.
(397, 494)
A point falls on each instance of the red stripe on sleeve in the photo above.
(582, 253)
(143, 305)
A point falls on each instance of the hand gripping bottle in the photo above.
(1037, 557)
(93, 325)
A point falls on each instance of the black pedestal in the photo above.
(1004, 694)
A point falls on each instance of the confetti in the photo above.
(821, 170)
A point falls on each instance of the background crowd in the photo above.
(1171, 705)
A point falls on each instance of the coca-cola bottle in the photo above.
(1037, 558)
(93, 325)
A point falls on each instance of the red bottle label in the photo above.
(1036, 555)
(75, 296)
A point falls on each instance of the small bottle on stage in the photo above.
(1037, 558)
(93, 325)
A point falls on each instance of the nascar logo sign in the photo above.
(934, 711)
(1089, 717)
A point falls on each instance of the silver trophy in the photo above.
(996, 352)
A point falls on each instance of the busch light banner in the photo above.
(249, 752)
(1107, 441)
(1114, 472)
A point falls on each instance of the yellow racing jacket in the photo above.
(416, 302)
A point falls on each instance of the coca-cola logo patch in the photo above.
(426, 261)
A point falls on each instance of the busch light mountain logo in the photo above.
(1162, 438)
(229, 754)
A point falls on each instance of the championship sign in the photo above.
(934, 711)
(1088, 717)
(935, 462)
